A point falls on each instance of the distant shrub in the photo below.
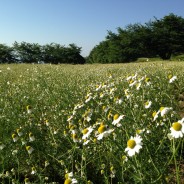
(178, 58)
(147, 59)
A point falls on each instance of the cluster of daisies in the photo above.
(85, 125)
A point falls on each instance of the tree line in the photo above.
(34, 53)
(158, 38)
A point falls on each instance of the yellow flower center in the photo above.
(177, 126)
(154, 113)
(147, 79)
(131, 143)
(131, 81)
(14, 136)
(28, 107)
(170, 76)
(116, 116)
(85, 131)
(68, 181)
(28, 148)
(26, 180)
(146, 103)
(30, 134)
(161, 109)
(111, 168)
(74, 136)
(101, 129)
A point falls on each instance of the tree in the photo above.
(156, 38)
(6, 54)
(27, 52)
(168, 36)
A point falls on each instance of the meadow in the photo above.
(99, 123)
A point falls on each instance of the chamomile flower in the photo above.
(147, 81)
(155, 115)
(86, 132)
(75, 136)
(138, 85)
(147, 104)
(117, 119)
(1, 146)
(112, 172)
(33, 170)
(132, 83)
(27, 181)
(172, 78)
(103, 131)
(29, 149)
(105, 108)
(47, 163)
(165, 110)
(69, 179)
(15, 137)
(19, 132)
(31, 137)
(177, 129)
(29, 109)
(134, 144)
(127, 93)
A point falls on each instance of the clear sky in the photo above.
(83, 22)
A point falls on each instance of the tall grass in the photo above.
(119, 123)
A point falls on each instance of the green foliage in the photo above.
(168, 36)
(34, 53)
(162, 38)
(6, 54)
(178, 58)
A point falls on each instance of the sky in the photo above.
(83, 22)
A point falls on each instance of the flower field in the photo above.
(100, 124)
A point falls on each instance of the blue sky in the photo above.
(83, 22)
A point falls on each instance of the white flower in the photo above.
(117, 120)
(15, 137)
(14, 152)
(138, 85)
(177, 129)
(132, 83)
(69, 178)
(172, 79)
(19, 132)
(70, 181)
(1, 146)
(129, 78)
(134, 144)
(75, 136)
(162, 111)
(147, 105)
(165, 110)
(26, 180)
(33, 170)
(155, 115)
(29, 109)
(86, 132)
(29, 149)
(103, 131)
(31, 137)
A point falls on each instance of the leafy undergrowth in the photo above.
(120, 123)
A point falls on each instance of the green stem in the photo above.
(175, 162)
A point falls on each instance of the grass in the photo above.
(73, 123)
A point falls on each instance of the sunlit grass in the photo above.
(111, 123)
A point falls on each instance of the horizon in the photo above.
(83, 23)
